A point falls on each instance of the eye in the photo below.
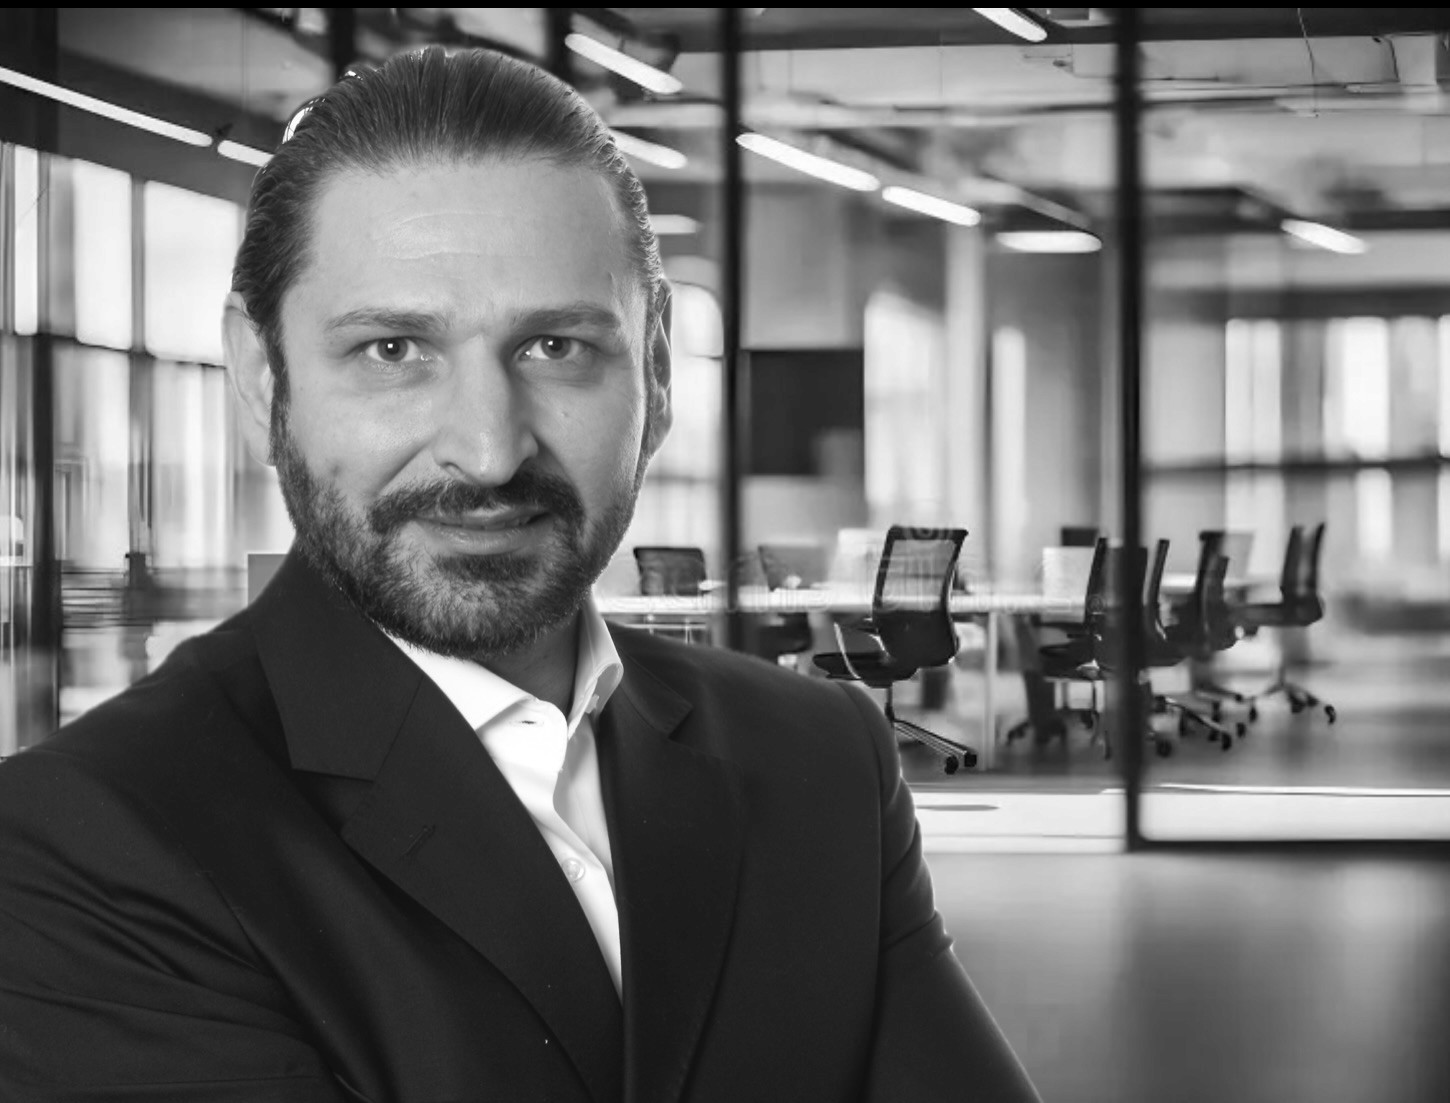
(552, 348)
(393, 350)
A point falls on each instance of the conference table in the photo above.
(985, 604)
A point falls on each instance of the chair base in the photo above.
(1299, 698)
(957, 754)
(1190, 718)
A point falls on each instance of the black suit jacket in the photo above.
(283, 868)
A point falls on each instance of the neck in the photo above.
(546, 668)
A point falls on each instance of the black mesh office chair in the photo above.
(911, 625)
(1161, 652)
(1094, 651)
(666, 571)
(1300, 604)
(1204, 625)
(785, 636)
(1235, 547)
(1044, 719)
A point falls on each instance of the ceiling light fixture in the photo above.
(105, 110)
(655, 154)
(668, 225)
(932, 205)
(823, 168)
(1049, 241)
(1325, 237)
(1015, 20)
(248, 155)
(646, 76)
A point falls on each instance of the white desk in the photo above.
(847, 601)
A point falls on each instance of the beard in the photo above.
(476, 607)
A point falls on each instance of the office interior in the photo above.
(1079, 285)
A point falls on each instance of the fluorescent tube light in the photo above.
(673, 224)
(822, 168)
(248, 155)
(1049, 241)
(1013, 19)
(1326, 237)
(923, 203)
(646, 76)
(106, 110)
(663, 156)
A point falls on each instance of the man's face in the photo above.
(461, 443)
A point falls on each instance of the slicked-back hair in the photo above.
(425, 107)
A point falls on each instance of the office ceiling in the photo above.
(1328, 113)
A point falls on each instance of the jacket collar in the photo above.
(442, 823)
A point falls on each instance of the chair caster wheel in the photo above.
(1330, 713)
(950, 765)
(1160, 703)
(1296, 707)
(1227, 744)
(969, 760)
(1164, 748)
(1241, 729)
(1217, 711)
(1253, 713)
(1239, 698)
(1085, 719)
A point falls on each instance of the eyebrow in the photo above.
(542, 320)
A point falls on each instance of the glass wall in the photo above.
(930, 336)
(1294, 352)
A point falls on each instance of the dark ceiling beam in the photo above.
(868, 28)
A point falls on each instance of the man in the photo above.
(416, 825)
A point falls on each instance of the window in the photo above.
(190, 242)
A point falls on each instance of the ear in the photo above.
(250, 373)
(660, 414)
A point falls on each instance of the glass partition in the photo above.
(1294, 352)
(913, 301)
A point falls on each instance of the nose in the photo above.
(484, 422)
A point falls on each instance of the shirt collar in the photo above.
(482, 696)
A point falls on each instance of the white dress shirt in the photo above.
(551, 762)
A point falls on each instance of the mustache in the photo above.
(528, 489)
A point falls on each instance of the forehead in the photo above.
(463, 236)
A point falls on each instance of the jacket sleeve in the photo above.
(123, 974)
(934, 1039)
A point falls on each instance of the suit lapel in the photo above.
(440, 821)
(677, 834)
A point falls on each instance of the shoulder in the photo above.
(719, 673)
(180, 724)
(746, 708)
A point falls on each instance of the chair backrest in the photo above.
(1292, 576)
(1111, 563)
(1300, 575)
(1217, 630)
(1153, 595)
(1095, 597)
(791, 566)
(1299, 599)
(670, 571)
(1313, 557)
(1235, 546)
(911, 606)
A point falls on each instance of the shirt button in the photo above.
(574, 870)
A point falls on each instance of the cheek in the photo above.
(355, 447)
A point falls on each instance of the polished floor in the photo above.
(1177, 978)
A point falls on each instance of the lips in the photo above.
(486, 522)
